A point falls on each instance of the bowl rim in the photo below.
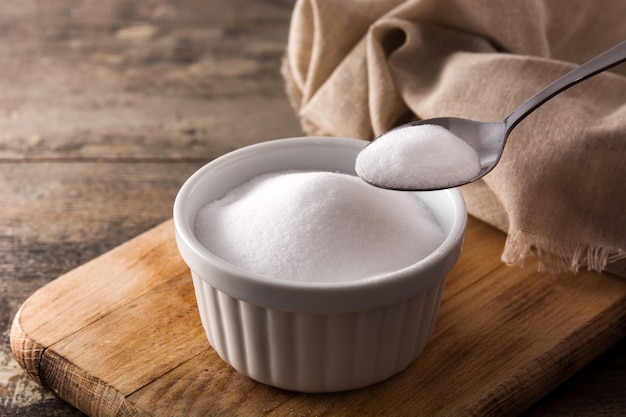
(312, 296)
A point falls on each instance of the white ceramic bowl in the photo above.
(307, 336)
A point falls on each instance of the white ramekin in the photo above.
(306, 336)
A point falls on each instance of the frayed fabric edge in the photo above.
(558, 257)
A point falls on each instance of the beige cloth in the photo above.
(356, 68)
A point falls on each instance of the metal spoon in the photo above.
(488, 138)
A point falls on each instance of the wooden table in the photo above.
(107, 107)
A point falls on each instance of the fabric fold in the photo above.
(358, 68)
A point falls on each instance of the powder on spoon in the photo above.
(317, 226)
(420, 157)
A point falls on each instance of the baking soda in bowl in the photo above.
(317, 226)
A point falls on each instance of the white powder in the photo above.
(421, 157)
(317, 226)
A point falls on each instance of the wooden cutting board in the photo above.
(121, 335)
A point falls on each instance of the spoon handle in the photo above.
(614, 56)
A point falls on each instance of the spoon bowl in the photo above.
(487, 139)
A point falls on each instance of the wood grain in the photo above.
(504, 337)
(120, 80)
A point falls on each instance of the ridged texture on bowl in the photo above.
(317, 352)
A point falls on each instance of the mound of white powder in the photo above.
(317, 226)
(421, 157)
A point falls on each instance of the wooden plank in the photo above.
(504, 337)
(83, 203)
(127, 81)
(92, 291)
(160, 328)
